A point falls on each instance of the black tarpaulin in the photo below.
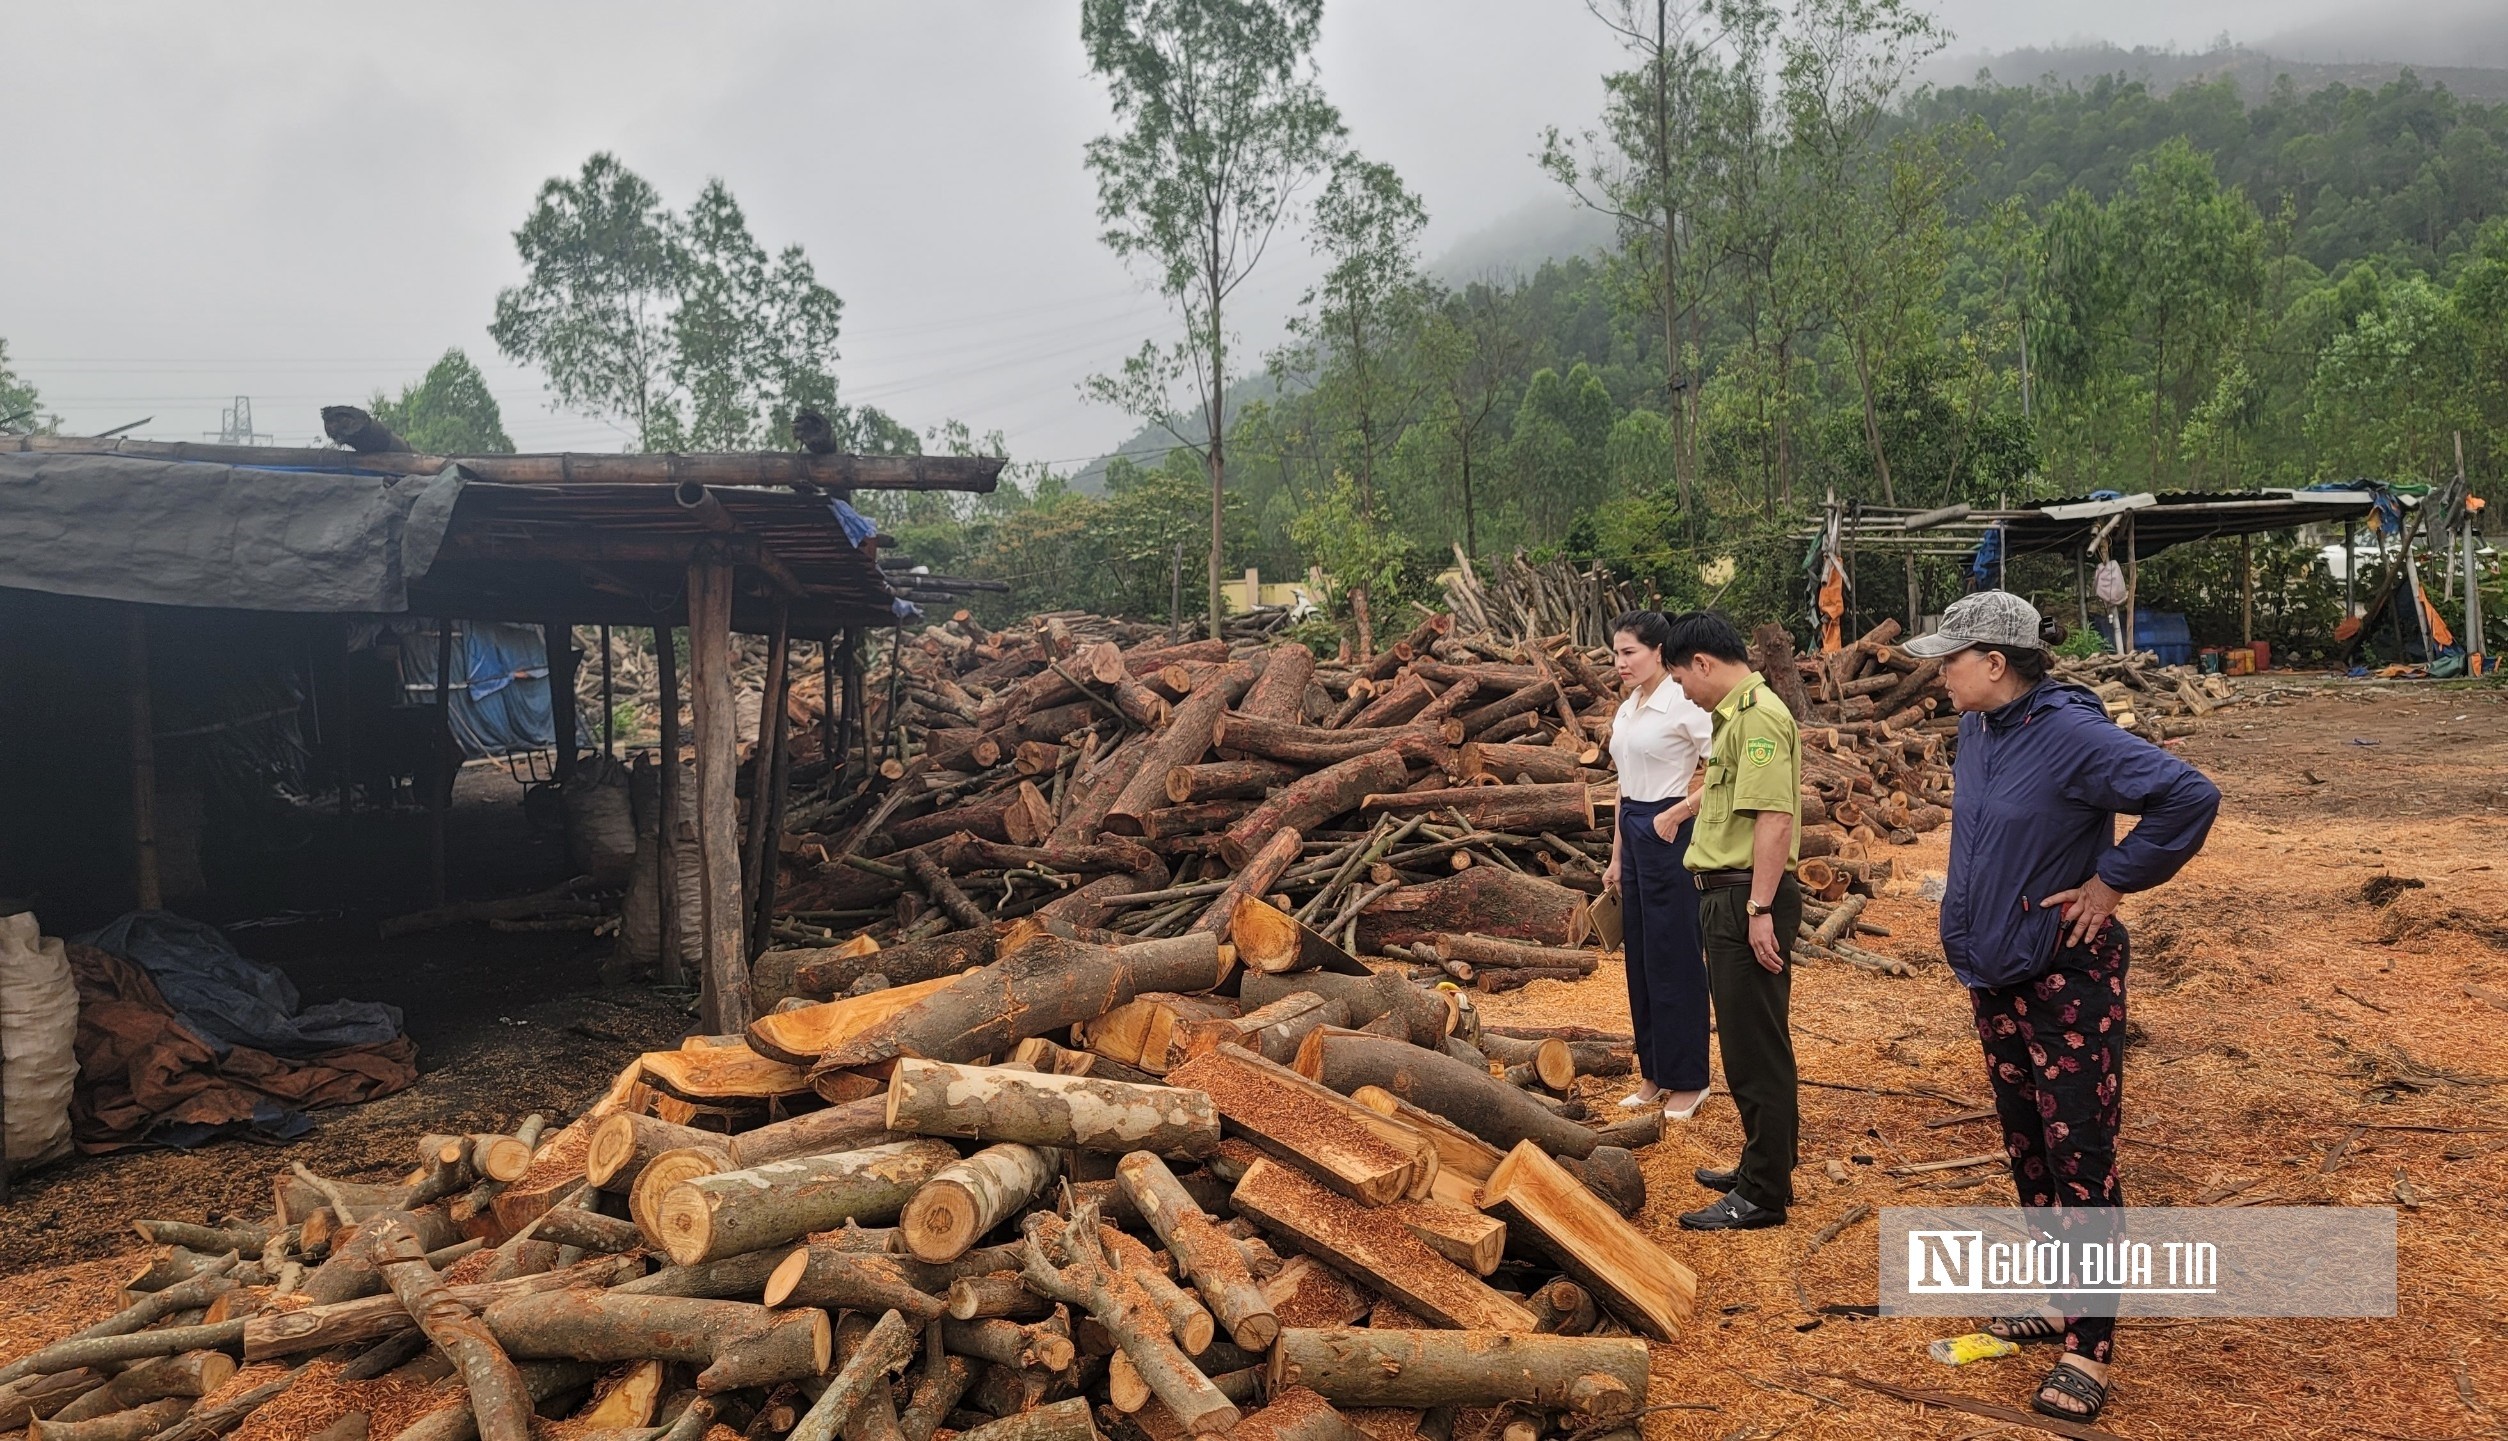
(193, 534)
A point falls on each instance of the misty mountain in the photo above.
(2254, 70)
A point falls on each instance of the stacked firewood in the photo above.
(1019, 1184)
(1451, 786)
(2157, 702)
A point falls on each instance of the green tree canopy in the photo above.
(448, 412)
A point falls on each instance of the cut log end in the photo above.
(786, 1277)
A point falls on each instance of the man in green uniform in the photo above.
(1741, 854)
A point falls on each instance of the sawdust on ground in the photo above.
(2301, 1032)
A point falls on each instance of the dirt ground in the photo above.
(2304, 1033)
(2295, 1022)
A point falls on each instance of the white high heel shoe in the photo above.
(1639, 1100)
(1691, 1110)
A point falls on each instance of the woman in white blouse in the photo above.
(1657, 740)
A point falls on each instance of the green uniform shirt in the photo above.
(1755, 763)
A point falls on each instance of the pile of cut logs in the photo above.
(2157, 702)
(1039, 1183)
(1450, 787)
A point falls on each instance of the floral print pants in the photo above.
(2055, 1053)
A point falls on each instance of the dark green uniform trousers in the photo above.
(1754, 1031)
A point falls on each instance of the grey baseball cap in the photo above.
(1990, 617)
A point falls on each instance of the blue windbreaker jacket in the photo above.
(2038, 786)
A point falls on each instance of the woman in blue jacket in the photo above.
(2028, 923)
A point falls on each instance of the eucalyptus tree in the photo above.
(1220, 121)
(449, 411)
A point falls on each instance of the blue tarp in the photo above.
(230, 1001)
(501, 705)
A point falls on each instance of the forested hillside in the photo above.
(2209, 294)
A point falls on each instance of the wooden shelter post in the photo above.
(609, 698)
(558, 639)
(829, 746)
(726, 975)
(775, 755)
(2126, 643)
(772, 708)
(143, 766)
(343, 749)
(441, 769)
(667, 804)
(2246, 590)
(857, 724)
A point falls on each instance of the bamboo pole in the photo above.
(609, 698)
(557, 641)
(726, 978)
(762, 765)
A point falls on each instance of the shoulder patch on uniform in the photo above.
(1760, 749)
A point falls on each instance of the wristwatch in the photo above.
(1752, 907)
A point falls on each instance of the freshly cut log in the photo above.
(644, 1201)
(1624, 1270)
(1084, 818)
(1297, 1414)
(1256, 874)
(863, 1379)
(624, 1143)
(734, 1278)
(936, 1391)
(1048, 984)
(1380, 1254)
(498, 1397)
(1485, 900)
(1183, 741)
(1527, 700)
(1280, 693)
(721, 1073)
(1475, 1242)
(137, 1424)
(1459, 1152)
(1305, 1292)
(1418, 1015)
(988, 1103)
(1396, 705)
(28, 1397)
(1189, 1322)
(1227, 780)
(627, 1403)
(1041, 1346)
(1272, 1032)
(1267, 1104)
(1312, 799)
(722, 1215)
(1169, 823)
(142, 1312)
(1492, 953)
(1303, 745)
(798, 1037)
(1064, 1420)
(274, 1333)
(1147, 1032)
(1018, 816)
(970, 1196)
(738, 1344)
(1207, 1255)
(1516, 764)
(1524, 810)
(1271, 940)
(1476, 1101)
(193, 1374)
(1603, 1377)
(1552, 1062)
(997, 1295)
(1069, 1263)
(547, 1379)
(353, 1269)
(835, 1279)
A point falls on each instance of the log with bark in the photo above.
(1048, 984)
(1202, 1251)
(984, 1103)
(1271, 940)
(1069, 1263)
(1375, 1249)
(1485, 900)
(1272, 1107)
(498, 1398)
(710, 1217)
(737, 1344)
(1603, 1378)
(1474, 1100)
(1313, 799)
(970, 1196)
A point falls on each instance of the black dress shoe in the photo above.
(1715, 1180)
(1732, 1214)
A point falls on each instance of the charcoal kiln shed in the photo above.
(282, 553)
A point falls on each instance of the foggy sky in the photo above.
(305, 203)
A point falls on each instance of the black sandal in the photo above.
(2074, 1382)
(2025, 1330)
